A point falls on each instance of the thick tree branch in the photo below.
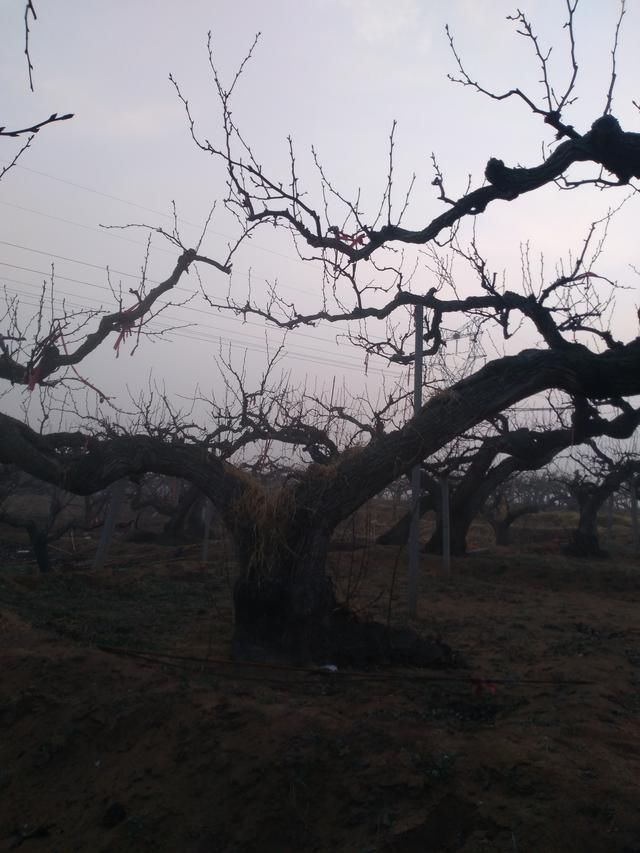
(500, 384)
(84, 465)
(52, 355)
(355, 476)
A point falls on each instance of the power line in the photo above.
(90, 299)
(111, 269)
(189, 224)
(178, 320)
(75, 261)
(47, 274)
(200, 311)
(104, 267)
(102, 194)
(231, 317)
(249, 347)
(151, 210)
(110, 233)
(105, 232)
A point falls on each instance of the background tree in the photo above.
(487, 464)
(595, 479)
(502, 514)
(45, 512)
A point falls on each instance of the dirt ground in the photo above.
(533, 747)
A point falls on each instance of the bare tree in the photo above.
(285, 605)
(597, 476)
(486, 465)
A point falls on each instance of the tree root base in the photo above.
(267, 629)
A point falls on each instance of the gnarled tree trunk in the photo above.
(284, 600)
(584, 540)
(460, 520)
(39, 540)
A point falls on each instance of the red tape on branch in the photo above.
(126, 328)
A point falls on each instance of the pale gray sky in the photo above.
(333, 73)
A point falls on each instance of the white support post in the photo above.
(414, 532)
(116, 497)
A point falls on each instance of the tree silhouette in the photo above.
(285, 604)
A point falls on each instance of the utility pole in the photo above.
(414, 539)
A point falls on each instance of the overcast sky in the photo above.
(332, 73)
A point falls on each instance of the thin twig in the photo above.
(29, 8)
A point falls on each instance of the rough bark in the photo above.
(460, 520)
(187, 514)
(585, 541)
(286, 609)
(40, 544)
(283, 599)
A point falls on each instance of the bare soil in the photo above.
(124, 726)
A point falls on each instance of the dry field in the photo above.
(125, 727)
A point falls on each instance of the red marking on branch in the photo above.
(126, 328)
(34, 376)
(353, 240)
